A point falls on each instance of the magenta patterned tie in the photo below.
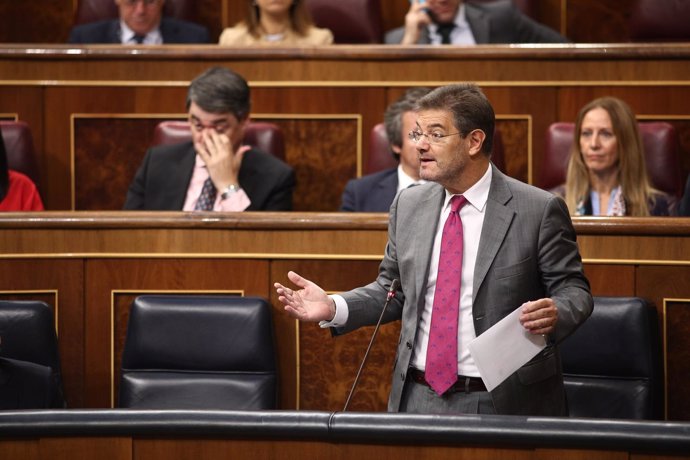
(442, 352)
(207, 198)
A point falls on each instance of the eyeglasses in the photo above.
(145, 2)
(432, 138)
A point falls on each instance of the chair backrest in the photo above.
(19, 146)
(661, 150)
(199, 352)
(351, 21)
(100, 10)
(380, 156)
(660, 20)
(612, 363)
(264, 136)
(27, 329)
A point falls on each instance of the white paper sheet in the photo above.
(503, 349)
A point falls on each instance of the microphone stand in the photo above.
(395, 284)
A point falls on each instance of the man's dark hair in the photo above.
(470, 108)
(220, 90)
(392, 119)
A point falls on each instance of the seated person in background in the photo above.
(17, 192)
(607, 175)
(141, 22)
(214, 171)
(275, 22)
(375, 192)
(458, 23)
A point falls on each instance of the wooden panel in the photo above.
(107, 154)
(677, 354)
(47, 21)
(669, 287)
(59, 283)
(323, 153)
(24, 449)
(297, 449)
(178, 276)
(111, 448)
(327, 366)
(548, 454)
(64, 102)
(583, 28)
(611, 280)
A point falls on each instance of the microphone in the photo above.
(395, 284)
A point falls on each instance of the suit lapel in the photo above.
(426, 226)
(114, 33)
(180, 174)
(479, 23)
(495, 228)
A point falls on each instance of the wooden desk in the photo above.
(90, 266)
(92, 109)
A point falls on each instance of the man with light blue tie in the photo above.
(435, 22)
(141, 22)
(468, 247)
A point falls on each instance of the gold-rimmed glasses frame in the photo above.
(432, 138)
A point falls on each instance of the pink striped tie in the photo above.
(442, 352)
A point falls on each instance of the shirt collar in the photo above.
(405, 181)
(154, 37)
(478, 194)
(460, 20)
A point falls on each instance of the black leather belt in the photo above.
(463, 384)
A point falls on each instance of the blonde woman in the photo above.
(607, 175)
(276, 22)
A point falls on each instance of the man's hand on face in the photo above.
(222, 161)
(415, 19)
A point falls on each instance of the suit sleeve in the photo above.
(280, 198)
(561, 269)
(75, 36)
(136, 193)
(348, 202)
(365, 303)
(530, 31)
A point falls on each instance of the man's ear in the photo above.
(476, 139)
(396, 148)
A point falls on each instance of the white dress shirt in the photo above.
(461, 35)
(154, 37)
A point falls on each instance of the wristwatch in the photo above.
(229, 191)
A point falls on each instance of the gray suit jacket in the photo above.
(494, 22)
(527, 251)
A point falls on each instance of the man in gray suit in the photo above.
(520, 251)
(459, 23)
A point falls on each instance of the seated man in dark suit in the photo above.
(458, 23)
(214, 171)
(141, 22)
(375, 192)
